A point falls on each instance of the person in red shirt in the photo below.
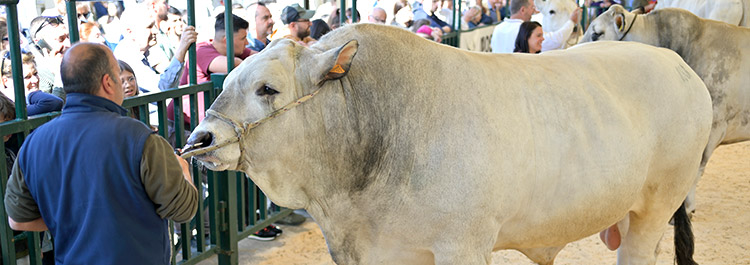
(211, 57)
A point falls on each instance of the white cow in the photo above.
(403, 157)
(718, 52)
(735, 12)
(555, 13)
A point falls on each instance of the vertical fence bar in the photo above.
(186, 235)
(458, 25)
(35, 251)
(261, 206)
(192, 71)
(213, 207)
(453, 16)
(70, 6)
(241, 206)
(161, 116)
(226, 197)
(6, 234)
(229, 28)
(252, 202)
(15, 60)
(197, 179)
(200, 237)
(342, 12)
(228, 234)
(354, 11)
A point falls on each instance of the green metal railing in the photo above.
(233, 199)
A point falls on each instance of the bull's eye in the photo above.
(266, 91)
(552, 12)
(595, 35)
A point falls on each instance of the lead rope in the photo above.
(629, 27)
(241, 128)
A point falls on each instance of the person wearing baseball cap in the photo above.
(298, 21)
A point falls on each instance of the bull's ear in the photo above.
(343, 60)
(620, 22)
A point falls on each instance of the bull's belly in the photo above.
(560, 228)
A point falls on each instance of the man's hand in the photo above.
(576, 16)
(185, 169)
(470, 14)
(437, 35)
(189, 36)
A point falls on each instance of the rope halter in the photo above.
(241, 129)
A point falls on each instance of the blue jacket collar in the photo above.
(81, 102)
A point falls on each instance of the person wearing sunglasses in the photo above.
(298, 20)
(377, 16)
(50, 36)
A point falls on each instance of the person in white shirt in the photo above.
(504, 36)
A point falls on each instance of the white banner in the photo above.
(477, 39)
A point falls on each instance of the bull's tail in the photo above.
(684, 246)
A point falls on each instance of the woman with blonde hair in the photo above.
(38, 102)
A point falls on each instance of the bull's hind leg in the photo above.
(641, 239)
(717, 135)
(542, 256)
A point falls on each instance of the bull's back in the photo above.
(721, 57)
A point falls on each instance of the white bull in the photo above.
(735, 12)
(718, 52)
(403, 158)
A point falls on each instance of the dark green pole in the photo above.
(193, 77)
(453, 16)
(229, 29)
(227, 206)
(354, 11)
(458, 25)
(342, 12)
(70, 6)
(8, 254)
(15, 57)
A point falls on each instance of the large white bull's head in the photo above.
(555, 13)
(615, 24)
(259, 90)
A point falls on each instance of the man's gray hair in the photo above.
(516, 5)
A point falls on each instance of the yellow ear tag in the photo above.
(337, 69)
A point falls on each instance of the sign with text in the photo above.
(477, 39)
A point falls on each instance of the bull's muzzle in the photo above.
(198, 140)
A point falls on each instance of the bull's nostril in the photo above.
(203, 138)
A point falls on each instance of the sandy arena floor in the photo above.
(721, 227)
